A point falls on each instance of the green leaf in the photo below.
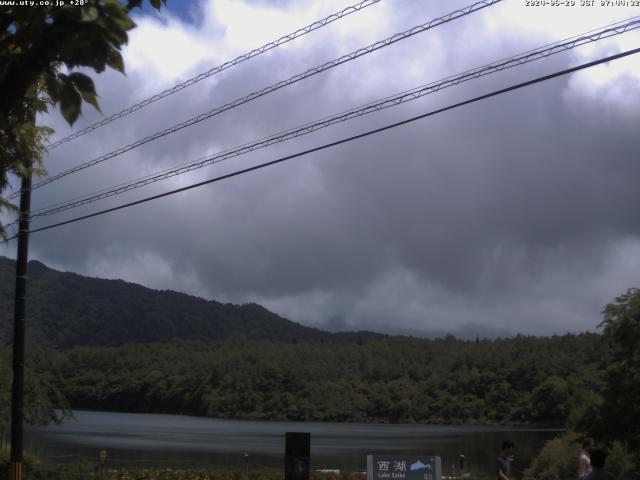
(39, 104)
(52, 86)
(117, 13)
(70, 102)
(87, 89)
(114, 60)
(113, 32)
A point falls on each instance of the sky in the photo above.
(517, 214)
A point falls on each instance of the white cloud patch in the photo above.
(162, 53)
(142, 267)
(611, 89)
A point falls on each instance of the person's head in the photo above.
(507, 447)
(587, 444)
(598, 457)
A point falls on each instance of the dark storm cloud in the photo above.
(516, 214)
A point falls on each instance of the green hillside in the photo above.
(66, 309)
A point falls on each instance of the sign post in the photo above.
(102, 470)
(397, 467)
(297, 455)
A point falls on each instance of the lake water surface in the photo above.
(175, 440)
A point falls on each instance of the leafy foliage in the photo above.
(558, 460)
(550, 399)
(35, 44)
(618, 417)
(43, 401)
(399, 380)
(611, 412)
(620, 461)
(34, 470)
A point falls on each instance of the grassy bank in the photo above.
(34, 469)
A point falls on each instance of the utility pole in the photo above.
(17, 390)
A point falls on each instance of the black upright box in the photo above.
(297, 453)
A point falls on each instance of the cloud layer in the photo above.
(517, 214)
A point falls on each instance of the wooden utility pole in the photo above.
(17, 390)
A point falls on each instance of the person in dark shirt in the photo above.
(598, 458)
(504, 460)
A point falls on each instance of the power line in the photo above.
(294, 79)
(607, 31)
(529, 56)
(213, 71)
(343, 140)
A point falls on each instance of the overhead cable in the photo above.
(213, 71)
(497, 66)
(341, 141)
(294, 79)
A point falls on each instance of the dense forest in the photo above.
(612, 417)
(522, 380)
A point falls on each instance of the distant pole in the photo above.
(102, 467)
(17, 390)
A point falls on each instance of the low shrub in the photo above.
(558, 460)
(620, 462)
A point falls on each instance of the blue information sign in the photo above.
(398, 467)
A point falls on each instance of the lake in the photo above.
(175, 440)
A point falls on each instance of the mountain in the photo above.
(65, 310)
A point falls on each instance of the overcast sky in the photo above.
(518, 214)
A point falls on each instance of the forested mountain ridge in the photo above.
(211, 359)
(66, 309)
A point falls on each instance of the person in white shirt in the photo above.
(598, 460)
(584, 460)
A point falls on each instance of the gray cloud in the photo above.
(517, 214)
